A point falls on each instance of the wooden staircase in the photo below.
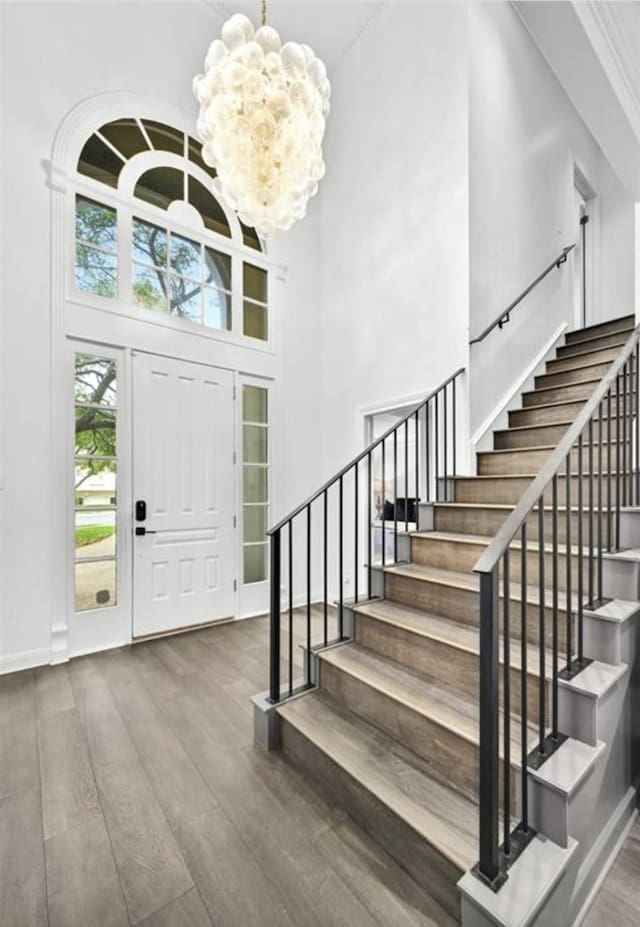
(392, 729)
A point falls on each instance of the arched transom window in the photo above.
(151, 236)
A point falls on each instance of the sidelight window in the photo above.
(255, 481)
(95, 476)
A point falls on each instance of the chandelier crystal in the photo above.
(262, 116)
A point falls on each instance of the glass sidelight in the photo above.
(255, 482)
(95, 482)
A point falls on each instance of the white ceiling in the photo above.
(330, 27)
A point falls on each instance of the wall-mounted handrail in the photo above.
(575, 501)
(504, 316)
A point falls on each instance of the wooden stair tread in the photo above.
(447, 631)
(422, 694)
(397, 777)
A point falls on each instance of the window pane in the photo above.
(255, 283)
(95, 380)
(250, 237)
(95, 585)
(254, 484)
(217, 308)
(160, 186)
(149, 243)
(209, 208)
(95, 485)
(195, 155)
(125, 135)
(96, 271)
(164, 137)
(98, 161)
(255, 563)
(255, 523)
(150, 288)
(254, 404)
(186, 300)
(95, 431)
(95, 534)
(254, 444)
(217, 268)
(255, 321)
(186, 257)
(96, 224)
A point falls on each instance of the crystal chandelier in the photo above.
(262, 116)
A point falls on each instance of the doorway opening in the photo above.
(584, 227)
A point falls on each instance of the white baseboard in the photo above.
(491, 421)
(28, 659)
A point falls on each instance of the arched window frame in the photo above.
(178, 218)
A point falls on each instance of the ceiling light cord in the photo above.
(264, 12)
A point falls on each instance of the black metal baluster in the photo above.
(454, 450)
(340, 563)
(417, 463)
(618, 462)
(542, 614)
(384, 493)
(600, 509)
(290, 616)
(436, 449)
(325, 567)
(580, 549)
(591, 481)
(625, 478)
(274, 620)
(609, 515)
(445, 442)
(406, 475)
(524, 786)
(569, 611)
(308, 654)
(369, 527)
(506, 702)
(356, 538)
(554, 580)
(427, 453)
(395, 496)
(637, 405)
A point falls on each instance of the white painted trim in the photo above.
(513, 393)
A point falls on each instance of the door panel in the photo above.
(183, 468)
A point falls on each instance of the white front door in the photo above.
(183, 475)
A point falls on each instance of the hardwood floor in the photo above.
(131, 793)
(618, 901)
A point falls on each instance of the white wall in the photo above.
(394, 217)
(52, 57)
(523, 138)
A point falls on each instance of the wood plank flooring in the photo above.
(131, 794)
(618, 901)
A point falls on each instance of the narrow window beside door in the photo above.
(95, 474)
(255, 482)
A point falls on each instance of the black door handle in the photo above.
(141, 531)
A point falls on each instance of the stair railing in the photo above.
(505, 316)
(431, 428)
(594, 469)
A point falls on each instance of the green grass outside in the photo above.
(89, 534)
